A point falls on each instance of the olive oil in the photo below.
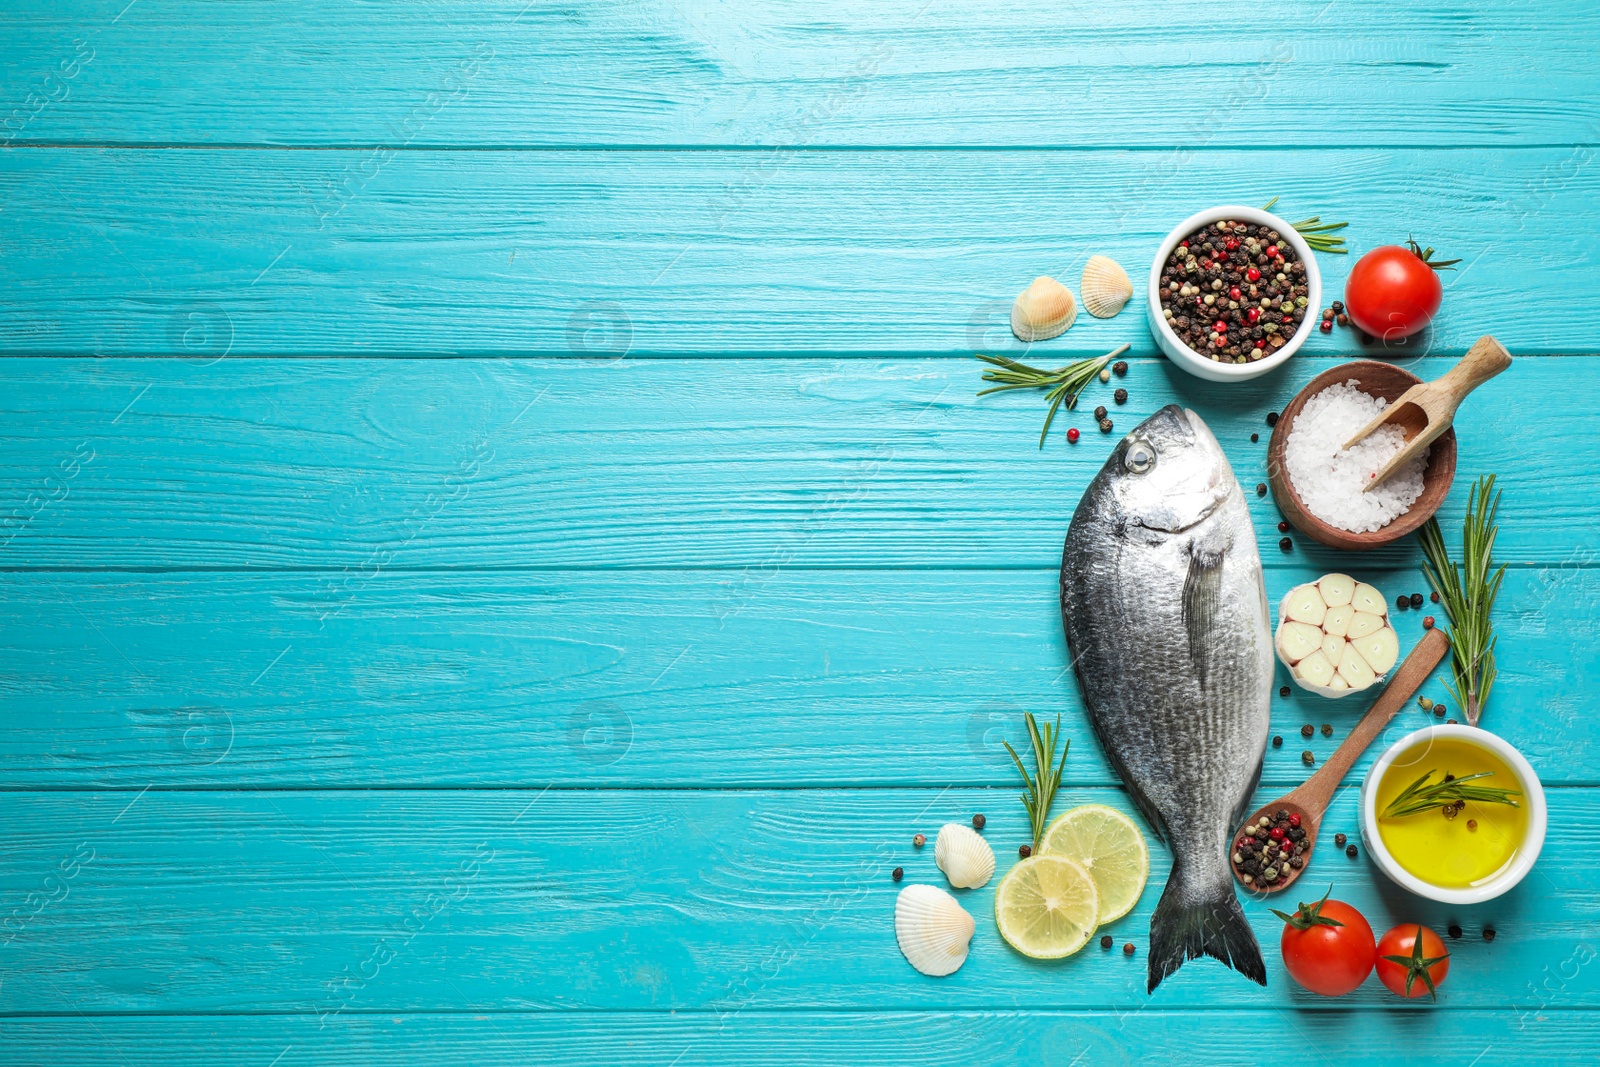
(1475, 845)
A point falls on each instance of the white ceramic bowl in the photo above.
(1532, 798)
(1199, 365)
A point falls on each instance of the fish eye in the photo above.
(1140, 457)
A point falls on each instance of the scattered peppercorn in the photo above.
(1277, 740)
(1121, 368)
(1283, 690)
(1350, 850)
(1307, 730)
(978, 821)
(1255, 438)
(1286, 544)
(1453, 930)
(1427, 622)
(1105, 941)
(1100, 412)
(1416, 600)
(1307, 758)
(1127, 949)
(1433, 597)
(1326, 326)
(1342, 319)
(1105, 375)
(1072, 436)
(1338, 306)
(1339, 840)
(1488, 933)
(1327, 729)
(1261, 489)
(919, 841)
(1472, 824)
(1105, 425)
(898, 873)
(1120, 396)
(1024, 851)
(1438, 711)
(1402, 602)
(1327, 314)
(1283, 526)
(1450, 722)
(1272, 418)
(1424, 703)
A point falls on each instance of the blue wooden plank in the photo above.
(710, 253)
(701, 900)
(637, 678)
(802, 72)
(752, 465)
(755, 1038)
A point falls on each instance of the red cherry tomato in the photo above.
(1412, 961)
(1327, 947)
(1394, 292)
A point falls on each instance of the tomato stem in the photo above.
(1425, 254)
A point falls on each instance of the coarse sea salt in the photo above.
(1329, 478)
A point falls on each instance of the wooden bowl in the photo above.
(1374, 379)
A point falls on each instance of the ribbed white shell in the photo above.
(1043, 310)
(932, 929)
(964, 857)
(1106, 287)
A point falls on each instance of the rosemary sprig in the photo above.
(1315, 231)
(1423, 795)
(1042, 785)
(1467, 591)
(1064, 383)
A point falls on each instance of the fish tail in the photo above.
(1201, 920)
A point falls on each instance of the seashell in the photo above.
(964, 857)
(1044, 310)
(1106, 287)
(932, 929)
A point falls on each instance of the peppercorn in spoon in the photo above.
(1271, 839)
(1425, 411)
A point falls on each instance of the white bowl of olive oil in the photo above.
(1467, 855)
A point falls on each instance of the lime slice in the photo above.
(1046, 907)
(1108, 845)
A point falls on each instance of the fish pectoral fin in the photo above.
(1202, 592)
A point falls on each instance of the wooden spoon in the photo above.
(1425, 411)
(1311, 799)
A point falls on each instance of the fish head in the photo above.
(1168, 474)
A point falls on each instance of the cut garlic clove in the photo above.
(1366, 598)
(1305, 604)
(1338, 683)
(1296, 641)
(1379, 649)
(1336, 589)
(1337, 621)
(1354, 669)
(1333, 647)
(1314, 669)
(1362, 624)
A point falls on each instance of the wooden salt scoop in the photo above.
(1425, 411)
(1311, 799)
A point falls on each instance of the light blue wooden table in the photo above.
(501, 552)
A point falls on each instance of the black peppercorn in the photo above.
(1105, 425)
(1261, 489)
(1286, 544)
(1350, 850)
(1277, 741)
(898, 873)
(1255, 438)
(1283, 690)
(1120, 368)
(1307, 730)
(1307, 758)
(1105, 941)
(1024, 851)
(1272, 418)
(1327, 729)
(978, 821)
(1453, 930)
(1416, 600)
(1339, 840)
(1100, 412)
(1120, 396)
(1488, 933)
(1338, 306)
(1402, 602)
